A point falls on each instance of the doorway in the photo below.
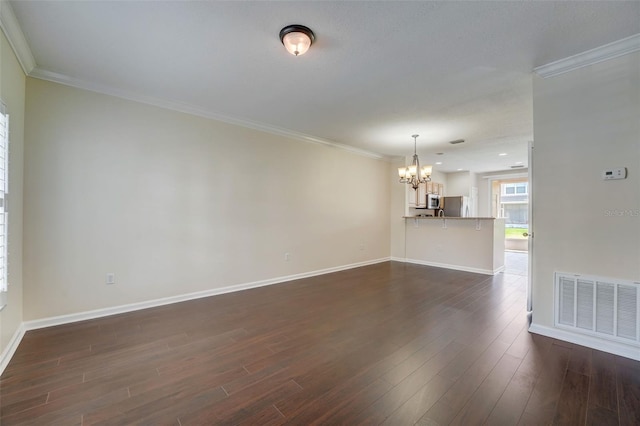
(510, 200)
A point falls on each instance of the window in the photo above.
(4, 185)
(520, 188)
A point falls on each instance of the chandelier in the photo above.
(413, 174)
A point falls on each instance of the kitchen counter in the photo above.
(448, 217)
(474, 244)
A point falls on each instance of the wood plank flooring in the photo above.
(392, 343)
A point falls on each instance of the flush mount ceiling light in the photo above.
(297, 39)
(413, 174)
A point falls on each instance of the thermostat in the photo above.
(616, 173)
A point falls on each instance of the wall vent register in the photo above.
(602, 307)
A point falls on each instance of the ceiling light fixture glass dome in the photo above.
(297, 39)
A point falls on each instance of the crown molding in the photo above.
(16, 38)
(590, 57)
(194, 110)
(18, 42)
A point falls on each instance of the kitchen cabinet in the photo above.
(418, 198)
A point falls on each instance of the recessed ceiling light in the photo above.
(438, 162)
(460, 170)
(502, 154)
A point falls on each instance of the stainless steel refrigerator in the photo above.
(455, 206)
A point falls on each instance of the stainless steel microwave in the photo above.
(433, 201)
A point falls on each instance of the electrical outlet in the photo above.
(111, 278)
(287, 257)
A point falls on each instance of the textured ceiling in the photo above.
(378, 72)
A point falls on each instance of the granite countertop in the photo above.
(448, 217)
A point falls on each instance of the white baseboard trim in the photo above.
(8, 352)
(448, 266)
(99, 313)
(589, 341)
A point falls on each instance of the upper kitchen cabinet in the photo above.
(418, 198)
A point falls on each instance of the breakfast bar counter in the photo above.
(474, 244)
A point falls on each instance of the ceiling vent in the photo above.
(457, 141)
(517, 167)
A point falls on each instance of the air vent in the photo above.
(520, 166)
(602, 307)
(457, 141)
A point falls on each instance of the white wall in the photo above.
(473, 193)
(584, 121)
(458, 183)
(173, 203)
(398, 208)
(465, 184)
(12, 93)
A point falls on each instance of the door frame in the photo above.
(531, 232)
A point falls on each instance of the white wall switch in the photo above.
(615, 173)
(111, 278)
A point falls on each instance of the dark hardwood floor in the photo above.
(392, 343)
